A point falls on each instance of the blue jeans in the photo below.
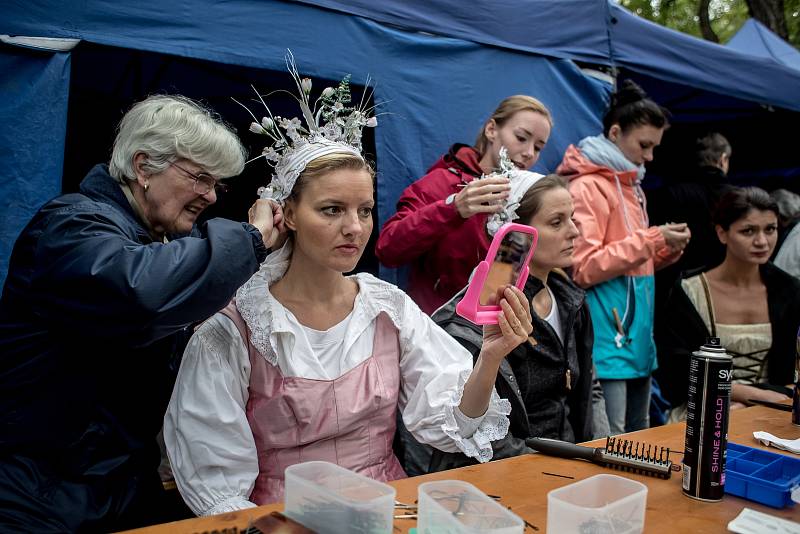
(627, 404)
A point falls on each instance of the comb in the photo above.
(621, 454)
(272, 523)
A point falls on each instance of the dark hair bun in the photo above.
(628, 92)
(630, 106)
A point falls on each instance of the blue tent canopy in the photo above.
(593, 31)
(440, 67)
(756, 39)
(435, 90)
(647, 48)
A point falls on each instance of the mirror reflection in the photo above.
(506, 266)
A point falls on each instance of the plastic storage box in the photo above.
(455, 507)
(602, 503)
(761, 476)
(330, 499)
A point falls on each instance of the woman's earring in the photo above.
(146, 186)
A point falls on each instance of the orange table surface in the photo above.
(522, 485)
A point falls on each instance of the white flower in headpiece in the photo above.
(265, 192)
(506, 165)
(290, 124)
(292, 127)
(332, 124)
(270, 154)
(520, 182)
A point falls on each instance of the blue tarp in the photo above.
(33, 112)
(664, 54)
(440, 67)
(595, 31)
(756, 39)
(245, 31)
(435, 90)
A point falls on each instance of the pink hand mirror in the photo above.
(506, 264)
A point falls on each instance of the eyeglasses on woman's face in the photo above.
(203, 182)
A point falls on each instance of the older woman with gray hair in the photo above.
(103, 288)
(787, 255)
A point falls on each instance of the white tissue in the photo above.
(751, 522)
(791, 445)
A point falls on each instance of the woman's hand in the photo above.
(482, 196)
(676, 235)
(513, 328)
(267, 216)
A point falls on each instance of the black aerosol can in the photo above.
(707, 422)
(796, 396)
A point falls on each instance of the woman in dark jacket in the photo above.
(751, 305)
(550, 379)
(440, 219)
(102, 290)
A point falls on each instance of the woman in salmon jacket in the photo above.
(440, 219)
(617, 251)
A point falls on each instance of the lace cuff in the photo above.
(467, 425)
(229, 505)
(492, 425)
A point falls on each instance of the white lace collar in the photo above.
(266, 317)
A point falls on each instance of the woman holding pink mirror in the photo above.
(310, 364)
(549, 379)
(440, 219)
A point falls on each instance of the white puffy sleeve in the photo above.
(208, 438)
(434, 368)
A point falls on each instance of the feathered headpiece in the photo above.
(330, 126)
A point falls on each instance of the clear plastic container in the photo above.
(330, 499)
(602, 504)
(455, 507)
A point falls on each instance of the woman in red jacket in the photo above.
(440, 222)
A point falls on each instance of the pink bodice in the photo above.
(349, 421)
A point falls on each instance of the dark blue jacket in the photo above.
(93, 320)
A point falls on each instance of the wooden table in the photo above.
(523, 486)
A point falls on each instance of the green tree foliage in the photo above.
(725, 16)
(793, 21)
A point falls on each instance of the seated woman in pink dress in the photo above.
(309, 364)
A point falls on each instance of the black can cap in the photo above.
(713, 342)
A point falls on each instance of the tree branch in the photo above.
(705, 22)
(771, 14)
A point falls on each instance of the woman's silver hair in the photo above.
(788, 204)
(171, 127)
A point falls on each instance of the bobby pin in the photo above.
(557, 475)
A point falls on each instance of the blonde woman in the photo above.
(310, 364)
(439, 227)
